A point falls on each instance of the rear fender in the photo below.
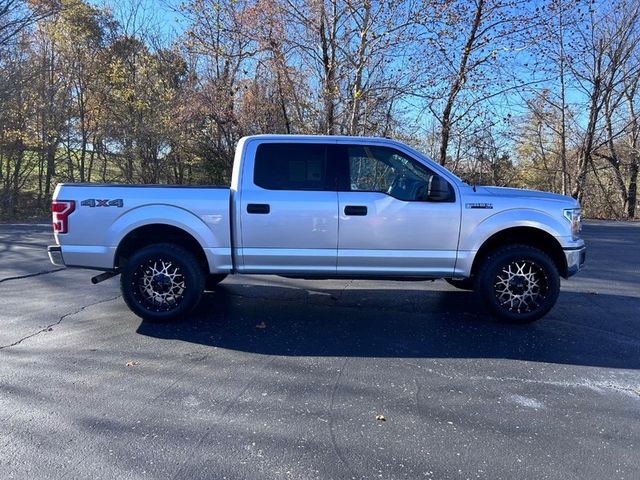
(217, 253)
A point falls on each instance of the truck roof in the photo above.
(321, 138)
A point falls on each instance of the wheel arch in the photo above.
(161, 224)
(523, 235)
(153, 233)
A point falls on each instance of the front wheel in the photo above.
(162, 281)
(518, 283)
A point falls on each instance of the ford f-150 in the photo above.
(322, 207)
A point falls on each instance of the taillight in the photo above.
(61, 209)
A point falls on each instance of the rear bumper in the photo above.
(575, 259)
(55, 255)
(95, 257)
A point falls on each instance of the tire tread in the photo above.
(484, 287)
(192, 268)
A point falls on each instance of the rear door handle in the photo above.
(258, 208)
(355, 210)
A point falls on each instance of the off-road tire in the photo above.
(162, 281)
(518, 283)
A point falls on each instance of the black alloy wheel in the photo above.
(162, 281)
(518, 283)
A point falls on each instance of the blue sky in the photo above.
(164, 17)
(162, 14)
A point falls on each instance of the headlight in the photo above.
(574, 216)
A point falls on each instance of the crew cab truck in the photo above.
(322, 207)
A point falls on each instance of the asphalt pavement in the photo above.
(275, 378)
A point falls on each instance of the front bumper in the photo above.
(575, 259)
(55, 255)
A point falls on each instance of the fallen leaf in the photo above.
(261, 325)
(381, 418)
(132, 363)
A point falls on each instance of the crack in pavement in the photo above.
(185, 464)
(332, 434)
(29, 275)
(136, 413)
(348, 284)
(45, 329)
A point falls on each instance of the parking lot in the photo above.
(279, 378)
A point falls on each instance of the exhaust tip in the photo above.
(104, 276)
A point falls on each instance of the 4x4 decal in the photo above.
(96, 202)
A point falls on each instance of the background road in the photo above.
(278, 378)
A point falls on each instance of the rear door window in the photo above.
(293, 166)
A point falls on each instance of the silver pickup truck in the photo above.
(322, 207)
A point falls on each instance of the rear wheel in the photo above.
(162, 281)
(518, 283)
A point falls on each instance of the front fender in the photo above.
(473, 235)
(475, 232)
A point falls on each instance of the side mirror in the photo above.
(439, 190)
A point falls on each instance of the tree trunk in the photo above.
(613, 158)
(632, 139)
(15, 187)
(360, 63)
(51, 169)
(586, 151)
(445, 131)
(563, 113)
(327, 45)
(632, 190)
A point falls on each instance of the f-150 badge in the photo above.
(96, 202)
(479, 205)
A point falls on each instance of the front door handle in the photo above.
(258, 208)
(355, 210)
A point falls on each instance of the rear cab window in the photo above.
(293, 166)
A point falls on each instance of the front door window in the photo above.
(385, 170)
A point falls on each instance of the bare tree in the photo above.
(632, 140)
(554, 34)
(611, 40)
(471, 51)
(17, 15)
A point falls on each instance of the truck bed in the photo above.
(104, 214)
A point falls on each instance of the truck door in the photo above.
(288, 209)
(397, 217)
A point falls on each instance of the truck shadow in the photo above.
(271, 320)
